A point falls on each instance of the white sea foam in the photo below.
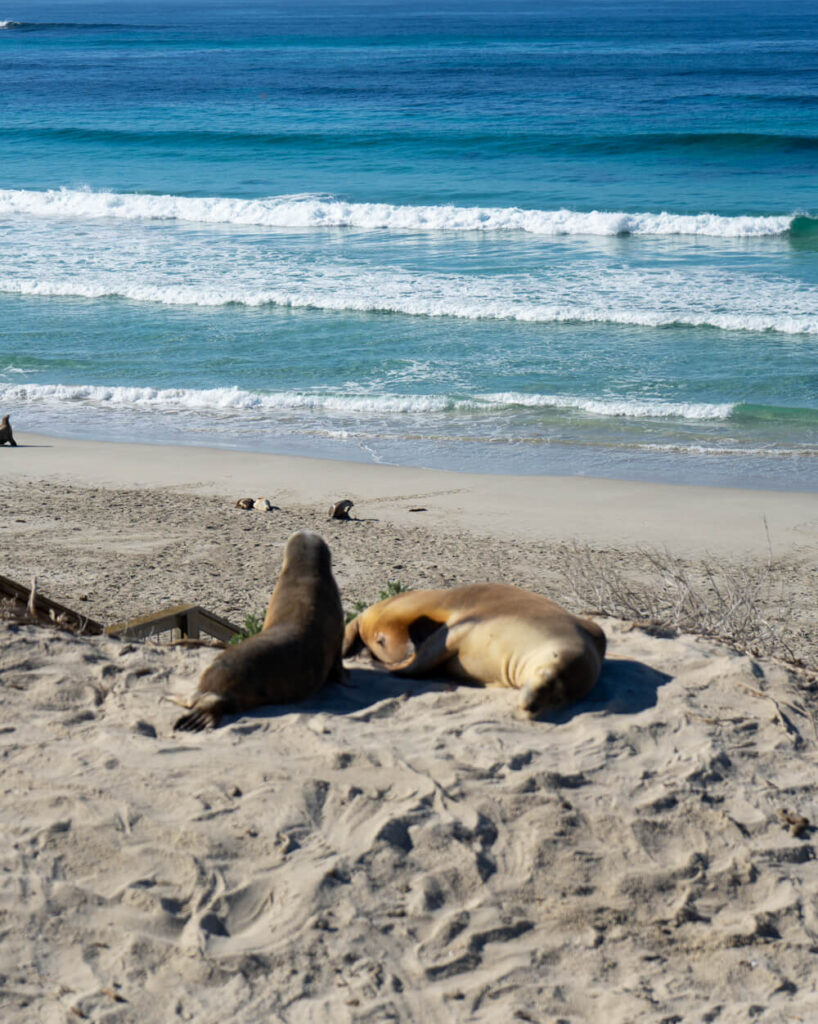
(616, 298)
(109, 259)
(308, 212)
(616, 406)
(226, 401)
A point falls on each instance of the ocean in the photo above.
(534, 237)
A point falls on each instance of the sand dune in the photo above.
(390, 850)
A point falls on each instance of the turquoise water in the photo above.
(545, 239)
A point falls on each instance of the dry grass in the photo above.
(748, 607)
(19, 614)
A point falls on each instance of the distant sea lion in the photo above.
(490, 633)
(340, 510)
(297, 651)
(6, 436)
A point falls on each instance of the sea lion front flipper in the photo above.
(353, 644)
(436, 649)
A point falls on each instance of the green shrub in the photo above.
(253, 624)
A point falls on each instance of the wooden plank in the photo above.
(189, 619)
(48, 611)
(216, 626)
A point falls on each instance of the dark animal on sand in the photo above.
(296, 653)
(6, 436)
(489, 633)
(340, 510)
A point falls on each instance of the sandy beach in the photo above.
(397, 850)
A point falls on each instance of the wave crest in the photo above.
(305, 212)
(236, 400)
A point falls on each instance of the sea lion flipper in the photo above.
(353, 644)
(207, 711)
(196, 721)
(436, 649)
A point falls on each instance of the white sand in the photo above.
(384, 853)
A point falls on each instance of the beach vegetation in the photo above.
(749, 606)
(253, 623)
(392, 588)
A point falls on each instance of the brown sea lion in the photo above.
(340, 510)
(297, 651)
(490, 633)
(6, 436)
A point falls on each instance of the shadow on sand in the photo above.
(624, 688)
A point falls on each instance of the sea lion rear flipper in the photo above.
(207, 711)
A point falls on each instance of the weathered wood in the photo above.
(189, 621)
(46, 610)
(186, 620)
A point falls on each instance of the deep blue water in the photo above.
(546, 238)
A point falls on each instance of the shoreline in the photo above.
(685, 519)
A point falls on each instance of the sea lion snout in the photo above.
(541, 695)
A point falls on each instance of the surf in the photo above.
(310, 211)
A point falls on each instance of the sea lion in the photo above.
(489, 633)
(297, 651)
(6, 436)
(340, 510)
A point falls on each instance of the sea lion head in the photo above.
(558, 676)
(306, 549)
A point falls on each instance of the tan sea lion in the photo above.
(297, 651)
(490, 633)
(6, 436)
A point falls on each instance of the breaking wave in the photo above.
(235, 400)
(315, 211)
